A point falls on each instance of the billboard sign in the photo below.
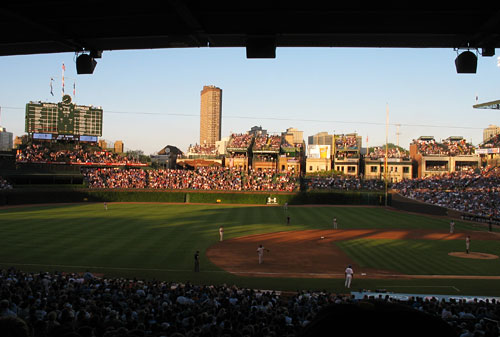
(318, 151)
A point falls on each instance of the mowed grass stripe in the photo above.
(417, 257)
(161, 237)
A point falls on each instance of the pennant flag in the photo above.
(74, 89)
(63, 70)
(51, 89)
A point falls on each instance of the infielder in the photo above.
(260, 253)
(348, 276)
(467, 244)
(221, 233)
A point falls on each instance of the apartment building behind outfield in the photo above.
(210, 115)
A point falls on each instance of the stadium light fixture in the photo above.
(466, 63)
(85, 64)
(261, 47)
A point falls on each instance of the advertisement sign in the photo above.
(318, 151)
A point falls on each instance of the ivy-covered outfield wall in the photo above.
(64, 195)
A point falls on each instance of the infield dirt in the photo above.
(310, 254)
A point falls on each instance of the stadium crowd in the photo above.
(348, 183)
(346, 142)
(40, 153)
(68, 304)
(473, 192)
(267, 143)
(203, 150)
(493, 142)
(202, 178)
(240, 141)
(394, 152)
(449, 147)
(4, 184)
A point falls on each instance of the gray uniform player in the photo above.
(221, 233)
(348, 276)
(260, 253)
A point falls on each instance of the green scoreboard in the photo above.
(63, 118)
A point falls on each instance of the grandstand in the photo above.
(265, 152)
(490, 151)
(454, 154)
(200, 156)
(347, 155)
(238, 151)
(399, 164)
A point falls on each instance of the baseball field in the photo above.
(388, 249)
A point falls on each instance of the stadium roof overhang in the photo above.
(35, 27)
(488, 105)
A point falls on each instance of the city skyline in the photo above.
(151, 98)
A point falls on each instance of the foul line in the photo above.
(396, 286)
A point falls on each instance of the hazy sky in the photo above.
(151, 98)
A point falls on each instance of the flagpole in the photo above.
(386, 148)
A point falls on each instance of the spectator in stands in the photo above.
(4, 184)
(57, 304)
(471, 192)
(203, 178)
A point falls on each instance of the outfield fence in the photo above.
(64, 195)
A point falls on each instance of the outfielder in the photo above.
(334, 223)
(452, 227)
(221, 233)
(348, 276)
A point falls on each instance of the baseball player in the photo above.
(197, 261)
(285, 206)
(260, 253)
(334, 223)
(467, 244)
(452, 227)
(221, 233)
(348, 276)
(105, 206)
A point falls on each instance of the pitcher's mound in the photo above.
(474, 255)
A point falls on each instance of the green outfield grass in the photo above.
(159, 240)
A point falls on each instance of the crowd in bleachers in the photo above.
(458, 147)
(346, 142)
(4, 184)
(339, 182)
(202, 178)
(393, 152)
(203, 150)
(493, 142)
(429, 147)
(475, 192)
(449, 147)
(40, 153)
(343, 155)
(69, 304)
(115, 178)
(267, 143)
(240, 141)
